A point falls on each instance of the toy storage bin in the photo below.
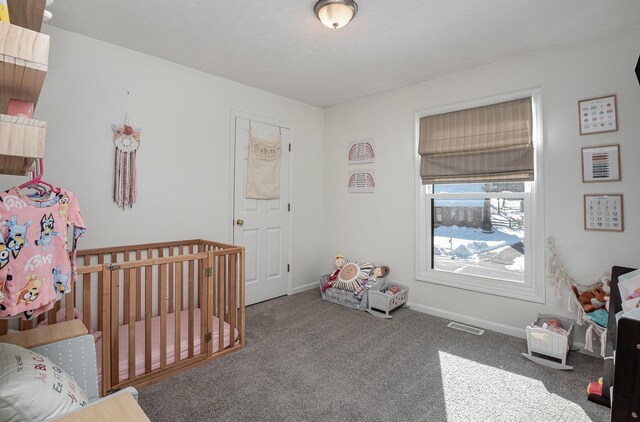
(547, 347)
(379, 299)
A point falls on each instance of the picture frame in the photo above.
(598, 115)
(601, 164)
(361, 152)
(362, 181)
(604, 212)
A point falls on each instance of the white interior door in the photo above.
(262, 225)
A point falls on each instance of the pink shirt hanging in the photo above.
(35, 265)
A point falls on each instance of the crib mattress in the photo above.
(155, 342)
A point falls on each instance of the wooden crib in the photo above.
(178, 303)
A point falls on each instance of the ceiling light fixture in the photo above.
(335, 13)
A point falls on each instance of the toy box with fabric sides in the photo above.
(386, 298)
(547, 345)
(346, 297)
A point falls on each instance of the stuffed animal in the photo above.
(591, 299)
(339, 263)
(379, 272)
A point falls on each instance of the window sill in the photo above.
(512, 290)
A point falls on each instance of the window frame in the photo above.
(533, 288)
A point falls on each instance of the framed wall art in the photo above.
(362, 181)
(601, 164)
(361, 152)
(598, 115)
(603, 212)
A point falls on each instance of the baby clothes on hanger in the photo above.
(35, 265)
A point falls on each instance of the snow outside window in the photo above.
(492, 247)
(496, 245)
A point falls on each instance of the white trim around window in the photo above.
(533, 288)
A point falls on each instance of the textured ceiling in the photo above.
(281, 47)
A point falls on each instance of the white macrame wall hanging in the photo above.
(127, 141)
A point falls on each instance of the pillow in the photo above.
(352, 275)
(33, 388)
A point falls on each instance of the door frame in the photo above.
(232, 178)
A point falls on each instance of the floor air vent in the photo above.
(465, 328)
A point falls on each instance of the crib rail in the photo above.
(154, 297)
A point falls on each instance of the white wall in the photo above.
(380, 226)
(183, 161)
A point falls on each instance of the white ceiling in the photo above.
(281, 47)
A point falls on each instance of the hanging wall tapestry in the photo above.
(263, 168)
(126, 140)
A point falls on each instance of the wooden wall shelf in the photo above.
(22, 142)
(24, 58)
(27, 13)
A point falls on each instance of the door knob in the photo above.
(240, 222)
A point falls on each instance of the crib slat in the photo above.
(197, 249)
(70, 299)
(52, 317)
(211, 281)
(103, 302)
(132, 322)
(127, 281)
(191, 307)
(162, 305)
(233, 301)
(202, 295)
(115, 324)
(222, 281)
(25, 325)
(86, 295)
(148, 306)
(139, 287)
(4, 327)
(101, 289)
(178, 309)
(242, 296)
(171, 283)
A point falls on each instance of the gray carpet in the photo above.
(309, 360)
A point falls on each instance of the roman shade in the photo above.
(482, 144)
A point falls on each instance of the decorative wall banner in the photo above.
(362, 181)
(263, 167)
(361, 152)
(601, 164)
(603, 212)
(127, 141)
(598, 115)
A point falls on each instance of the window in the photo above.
(493, 242)
(439, 215)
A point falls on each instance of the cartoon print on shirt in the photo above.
(46, 233)
(17, 235)
(4, 256)
(31, 291)
(61, 281)
(63, 208)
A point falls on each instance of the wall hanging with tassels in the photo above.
(126, 140)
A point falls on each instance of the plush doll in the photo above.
(379, 272)
(591, 299)
(339, 263)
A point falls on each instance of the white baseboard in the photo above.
(305, 287)
(494, 326)
(476, 322)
